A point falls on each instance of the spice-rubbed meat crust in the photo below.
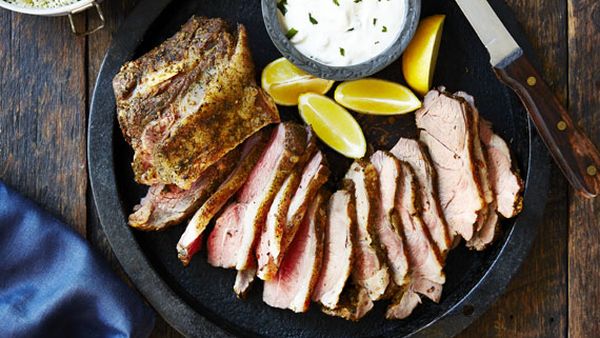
(252, 148)
(233, 240)
(279, 232)
(166, 205)
(188, 102)
(370, 270)
(506, 182)
(388, 226)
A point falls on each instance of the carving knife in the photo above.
(572, 150)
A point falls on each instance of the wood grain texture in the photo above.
(114, 12)
(535, 303)
(42, 114)
(584, 221)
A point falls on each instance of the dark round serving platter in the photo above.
(198, 300)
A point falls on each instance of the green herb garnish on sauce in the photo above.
(281, 5)
(336, 2)
(291, 33)
(312, 20)
(342, 51)
(384, 29)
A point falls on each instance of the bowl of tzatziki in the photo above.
(69, 8)
(341, 39)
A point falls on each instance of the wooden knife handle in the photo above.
(573, 151)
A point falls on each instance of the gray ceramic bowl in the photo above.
(364, 69)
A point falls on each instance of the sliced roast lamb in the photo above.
(165, 205)
(287, 212)
(370, 269)
(354, 303)
(507, 183)
(233, 240)
(447, 130)
(338, 249)
(272, 231)
(389, 229)
(415, 154)
(487, 221)
(297, 275)
(190, 240)
(426, 275)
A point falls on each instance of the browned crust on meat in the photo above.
(471, 148)
(148, 221)
(435, 194)
(224, 120)
(292, 225)
(135, 113)
(320, 223)
(269, 271)
(396, 223)
(225, 191)
(353, 305)
(294, 145)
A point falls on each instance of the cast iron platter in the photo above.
(198, 300)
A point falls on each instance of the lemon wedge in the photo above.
(333, 124)
(376, 97)
(285, 82)
(419, 58)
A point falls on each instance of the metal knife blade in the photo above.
(497, 40)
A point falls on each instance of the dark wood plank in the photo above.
(42, 114)
(535, 303)
(115, 12)
(584, 222)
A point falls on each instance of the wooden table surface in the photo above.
(46, 79)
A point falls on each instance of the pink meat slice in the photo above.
(388, 228)
(426, 276)
(296, 278)
(223, 242)
(370, 269)
(507, 184)
(337, 251)
(189, 243)
(166, 205)
(253, 201)
(272, 231)
(446, 129)
(415, 154)
(287, 212)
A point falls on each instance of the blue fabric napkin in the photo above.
(52, 284)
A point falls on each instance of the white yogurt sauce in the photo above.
(342, 32)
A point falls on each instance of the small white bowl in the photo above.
(69, 10)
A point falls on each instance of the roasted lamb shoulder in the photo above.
(212, 108)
